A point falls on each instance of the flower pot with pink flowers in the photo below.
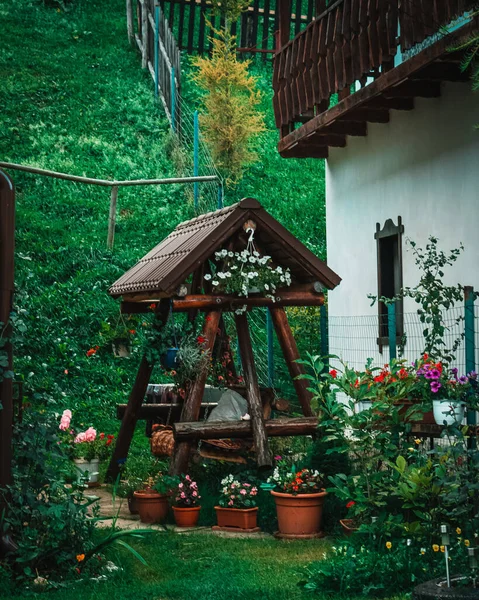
(186, 507)
(87, 448)
(237, 508)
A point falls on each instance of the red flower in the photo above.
(350, 504)
(108, 442)
(201, 339)
(402, 374)
(220, 378)
(102, 436)
(333, 373)
(132, 331)
(152, 306)
(91, 352)
(425, 356)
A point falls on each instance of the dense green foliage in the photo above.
(75, 100)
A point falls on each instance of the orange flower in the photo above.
(132, 331)
(91, 352)
(80, 557)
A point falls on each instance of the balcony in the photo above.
(357, 61)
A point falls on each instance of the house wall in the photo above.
(423, 166)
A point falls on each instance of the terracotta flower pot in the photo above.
(348, 526)
(132, 505)
(241, 518)
(299, 516)
(152, 507)
(186, 516)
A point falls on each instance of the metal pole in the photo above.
(112, 217)
(157, 40)
(392, 331)
(324, 341)
(220, 196)
(470, 341)
(196, 165)
(270, 342)
(173, 99)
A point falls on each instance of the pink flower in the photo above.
(230, 503)
(180, 485)
(277, 457)
(254, 491)
(182, 495)
(232, 496)
(195, 494)
(243, 492)
(80, 438)
(90, 434)
(65, 420)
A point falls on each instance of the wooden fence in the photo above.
(192, 22)
(159, 53)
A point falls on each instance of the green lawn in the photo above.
(204, 567)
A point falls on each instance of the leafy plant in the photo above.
(291, 481)
(187, 493)
(231, 120)
(235, 494)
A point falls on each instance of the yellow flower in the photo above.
(458, 530)
(417, 441)
(80, 557)
(443, 548)
(467, 543)
(435, 547)
(411, 449)
(389, 545)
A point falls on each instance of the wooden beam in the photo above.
(217, 430)
(284, 22)
(192, 406)
(392, 103)
(441, 71)
(135, 401)
(291, 355)
(207, 302)
(371, 115)
(305, 150)
(253, 396)
(414, 89)
(345, 127)
(332, 140)
(153, 411)
(7, 263)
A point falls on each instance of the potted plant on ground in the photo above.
(89, 449)
(237, 504)
(139, 467)
(299, 498)
(152, 500)
(185, 505)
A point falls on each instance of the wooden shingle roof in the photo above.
(167, 265)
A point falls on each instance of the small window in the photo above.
(389, 257)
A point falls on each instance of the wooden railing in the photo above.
(351, 41)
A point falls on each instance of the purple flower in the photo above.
(463, 380)
(472, 375)
(435, 374)
(435, 386)
(428, 375)
(454, 372)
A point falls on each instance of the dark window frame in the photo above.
(391, 234)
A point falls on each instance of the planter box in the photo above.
(238, 518)
(299, 516)
(89, 468)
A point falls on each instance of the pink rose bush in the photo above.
(235, 494)
(187, 494)
(84, 444)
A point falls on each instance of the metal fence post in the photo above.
(270, 342)
(196, 165)
(220, 196)
(392, 331)
(324, 341)
(157, 42)
(173, 99)
(470, 341)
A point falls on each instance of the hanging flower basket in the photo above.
(121, 347)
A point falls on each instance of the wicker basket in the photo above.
(162, 441)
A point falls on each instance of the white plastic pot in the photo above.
(442, 410)
(89, 468)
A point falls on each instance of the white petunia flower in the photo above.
(216, 282)
(207, 277)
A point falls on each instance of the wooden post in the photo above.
(112, 217)
(129, 21)
(192, 406)
(7, 242)
(135, 401)
(291, 354)
(284, 22)
(144, 35)
(253, 395)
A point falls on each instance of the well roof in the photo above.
(160, 272)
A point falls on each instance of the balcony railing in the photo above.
(350, 44)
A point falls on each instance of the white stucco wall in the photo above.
(423, 166)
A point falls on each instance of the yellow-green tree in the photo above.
(231, 120)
